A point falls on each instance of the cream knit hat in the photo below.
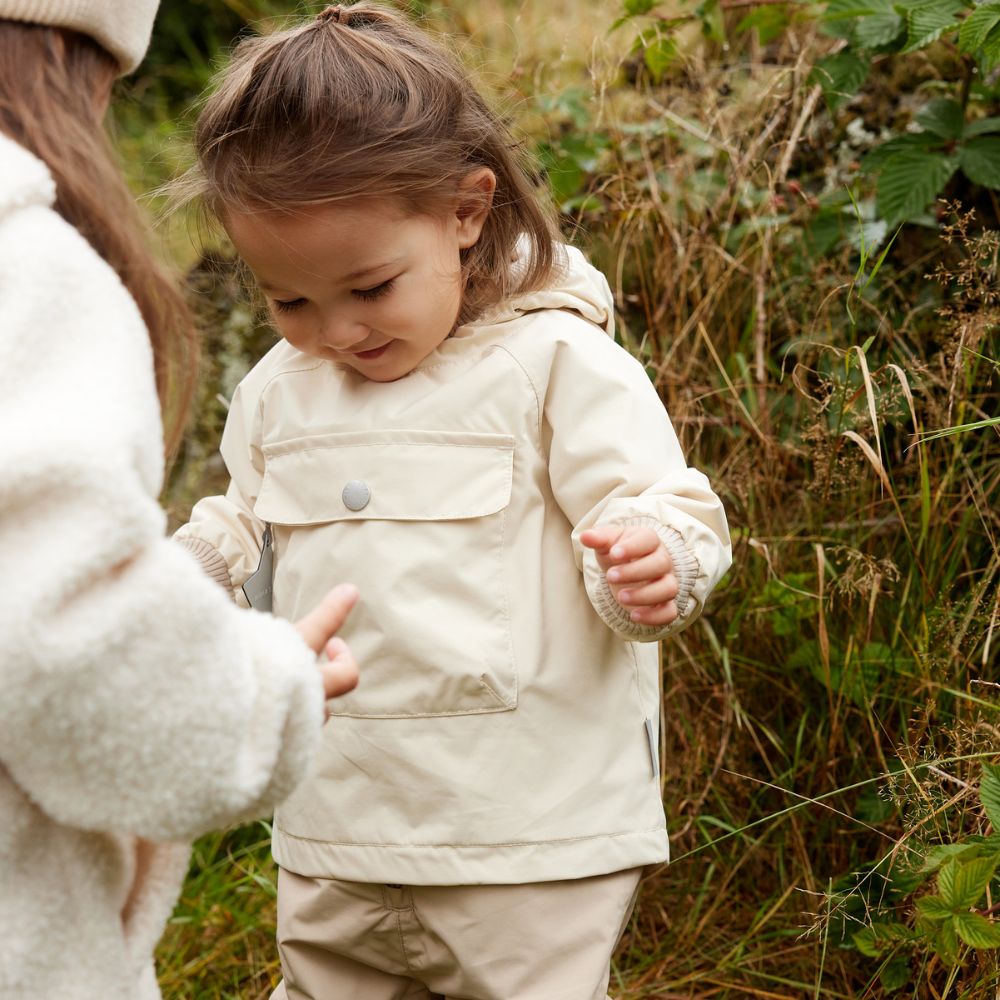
(122, 27)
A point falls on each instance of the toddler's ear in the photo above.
(475, 196)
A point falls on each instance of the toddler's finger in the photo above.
(633, 544)
(659, 615)
(650, 594)
(600, 539)
(651, 567)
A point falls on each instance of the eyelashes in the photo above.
(290, 306)
(376, 292)
(365, 294)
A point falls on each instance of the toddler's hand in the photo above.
(319, 627)
(639, 571)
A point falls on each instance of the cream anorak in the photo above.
(505, 728)
(138, 707)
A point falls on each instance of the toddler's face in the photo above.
(360, 282)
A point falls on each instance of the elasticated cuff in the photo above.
(686, 568)
(211, 559)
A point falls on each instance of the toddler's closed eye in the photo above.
(288, 306)
(375, 292)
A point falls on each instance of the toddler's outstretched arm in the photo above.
(650, 534)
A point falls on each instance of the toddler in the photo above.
(448, 422)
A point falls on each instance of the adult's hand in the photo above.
(319, 628)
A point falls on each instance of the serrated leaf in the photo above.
(976, 931)
(875, 158)
(991, 49)
(929, 21)
(895, 974)
(984, 126)
(937, 856)
(882, 27)
(946, 942)
(969, 883)
(980, 161)
(866, 942)
(909, 181)
(946, 883)
(943, 118)
(973, 31)
(989, 779)
(840, 76)
(934, 908)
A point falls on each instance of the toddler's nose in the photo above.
(342, 333)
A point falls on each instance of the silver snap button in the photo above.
(356, 495)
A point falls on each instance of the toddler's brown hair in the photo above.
(361, 103)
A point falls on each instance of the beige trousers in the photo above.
(542, 941)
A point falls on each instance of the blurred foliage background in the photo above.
(797, 207)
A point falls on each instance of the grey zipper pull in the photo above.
(257, 589)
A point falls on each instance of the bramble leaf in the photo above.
(973, 31)
(944, 118)
(983, 126)
(989, 781)
(910, 180)
(840, 76)
(980, 161)
(976, 931)
(934, 908)
(928, 21)
(961, 885)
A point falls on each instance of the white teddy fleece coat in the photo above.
(139, 707)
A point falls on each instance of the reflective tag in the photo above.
(257, 589)
(654, 748)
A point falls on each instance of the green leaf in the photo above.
(770, 22)
(989, 793)
(977, 26)
(946, 883)
(966, 882)
(840, 76)
(659, 56)
(875, 159)
(991, 49)
(635, 8)
(895, 974)
(984, 126)
(910, 180)
(943, 118)
(946, 942)
(934, 908)
(928, 21)
(880, 28)
(976, 931)
(980, 161)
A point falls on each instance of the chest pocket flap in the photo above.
(386, 475)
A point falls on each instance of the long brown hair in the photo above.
(51, 87)
(360, 103)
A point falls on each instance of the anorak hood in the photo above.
(576, 286)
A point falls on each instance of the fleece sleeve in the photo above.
(223, 532)
(136, 697)
(614, 459)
